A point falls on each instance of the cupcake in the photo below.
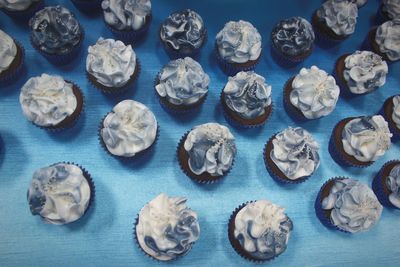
(238, 47)
(111, 66)
(246, 99)
(359, 3)
(129, 129)
(182, 85)
(87, 5)
(166, 229)
(56, 34)
(361, 72)
(11, 58)
(127, 19)
(293, 39)
(335, 20)
(388, 10)
(60, 193)
(391, 112)
(386, 184)
(20, 9)
(291, 156)
(50, 102)
(183, 33)
(259, 230)
(347, 205)
(385, 40)
(207, 152)
(311, 94)
(359, 141)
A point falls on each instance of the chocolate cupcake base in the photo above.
(286, 60)
(379, 184)
(325, 36)
(291, 110)
(25, 15)
(371, 44)
(387, 111)
(339, 77)
(11, 74)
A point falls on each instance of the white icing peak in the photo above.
(130, 128)
(314, 93)
(8, 50)
(396, 111)
(388, 39)
(47, 100)
(16, 5)
(393, 184)
(391, 7)
(239, 42)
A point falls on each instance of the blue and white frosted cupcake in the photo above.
(386, 184)
(20, 9)
(87, 5)
(166, 229)
(391, 112)
(259, 230)
(347, 205)
(12, 55)
(292, 155)
(238, 47)
(60, 193)
(385, 40)
(388, 10)
(246, 99)
(207, 152)
(182, 85)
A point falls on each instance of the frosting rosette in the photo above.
(17, 5)
(388, 39)
(8, 51)
(396, 111)
(391, 8)
(393, 184)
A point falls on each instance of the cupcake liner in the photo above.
(344, 89)
(378, 186)
(392, 127)
(130, 35)
(294, 113)
(13, 75)
(323, 39)
(24, 15)
(87, 6)
(287, 61)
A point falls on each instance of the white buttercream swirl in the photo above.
(393, 184)
(314, 93)
(111, 62)
(396, 111)
(16, 5)
(354, 206)
(388, 39)
(364, 72)
(167, 228)
(8, 51)
(391, 8)
(183, 81)
(47, 100)
(130, 128)
(263, 229)
(366, 138)
(239, 42)
(211, 148)
(59, 193)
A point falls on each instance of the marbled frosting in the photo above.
(166, 228)
(391, 8)
(354, 206)
(211, 148)
(60, 193)
(388, 39)
(16, 5)
(8, 51)
(396, 111)
(393, 184)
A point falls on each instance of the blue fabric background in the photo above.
(104, 236)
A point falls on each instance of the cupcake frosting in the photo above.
(364, 72)
(366, 138)
(167, 228)
(183, 29)
(182, 82)
(391, 8)
(295, 153)
(388, 39)
(354, 206)
(396, 111)
(16, 5)
(129, 128)
(247, 94)
(263, 229)
(211, 148)
(47, 100)
(293, 36)
(314, 93)
(55, 30)
(393, 184)
(59, 193)
(126, 14)
(339, 16)
(111, 62)
(239, 42)
(8, 51)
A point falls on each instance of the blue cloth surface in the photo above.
(103, 237)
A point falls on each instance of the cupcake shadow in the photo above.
(69, 134)
(12, 87)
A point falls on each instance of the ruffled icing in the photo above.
(16, 5)
(339, 16)
(396, 111)
(354, 206)
(47, 100)
(182, 81)
(366, 138)
(183, 29)
(59, 193)
(211, 148)
(239, 42)
(391, 8)
(126, 14)
(359, 3)
(55, 30)
(388, 39)
(247, 94)
(293, 36)
(263, 229)
(295, 153)
(8, 51)
(167, 228)
(364, 72)
(393, 184)
(111, 62)
(130, 128)
(314, 92)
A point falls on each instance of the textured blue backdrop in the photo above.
(104, 236)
